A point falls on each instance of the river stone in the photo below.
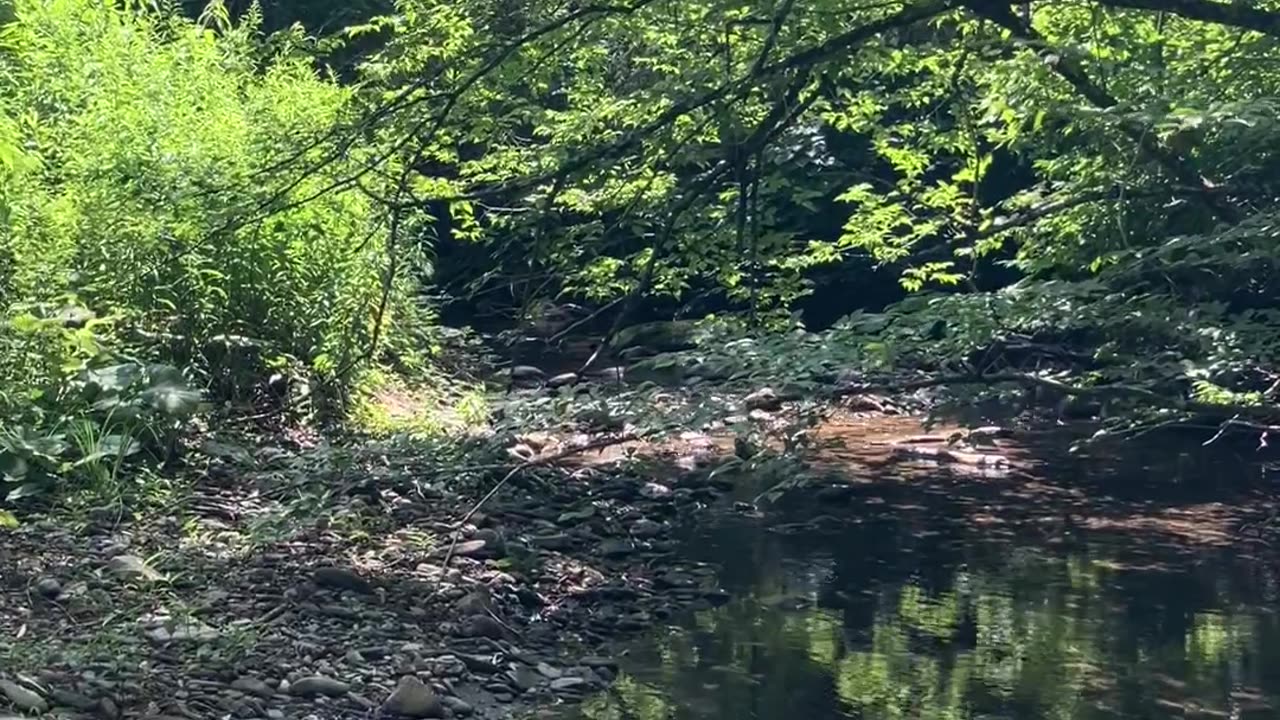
(192, 631)
(568, 684)
(655, 491)
(562, 379)
(476, 602)
(132, 567)
(646, 528)
(460, 707)
(341, 579)
(552, 542)
(763, 399)
(252, 686)
(413, 698)
(616, 548)
(319, 685)
(68, 698)
(48, 588)
(548, 671)
(482, 626)
(524, 678)
(22, 698)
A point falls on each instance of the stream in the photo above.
(1120, 588)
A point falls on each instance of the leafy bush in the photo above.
(147, 188)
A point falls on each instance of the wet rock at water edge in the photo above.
(319, 685)
(763, 399)
(22, 698)
(413, 698)
(341, 579)
(569, 684)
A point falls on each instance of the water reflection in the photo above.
(892, 617)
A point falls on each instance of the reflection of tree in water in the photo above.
(899, 626)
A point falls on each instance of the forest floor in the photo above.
(274, 588)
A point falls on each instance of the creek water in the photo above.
(1124, 587)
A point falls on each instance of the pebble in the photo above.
(646, 528)
(616, 548)
(567, 683)
(319, 685)
(482, 626)
(252, 686)
(22, 698)
(341, 579)
(763, 399)
(549, 671)
(460, 707)
(49, 588)
(655, 491)
(132, 567)
(413, 698)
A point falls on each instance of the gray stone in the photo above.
(252, 686)
(319, 685)
(413, 698)
(132, 567)
(190, 631)
(341, 579)
(524, 678)
(763, 399)
(552, 542)
(616, 548)
(476, 602)
(67, 698)
(548, 671)
(460, 707)
(646, 528)
(49, 588)
(562, 379)
(22, 698)
(482, 626)
(569, 683)
(655, 491)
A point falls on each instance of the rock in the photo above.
(864, 403)
(759, 416)
(22, 698)
(476, 602)
(527, 376)
(48, 588)
(413, 698)
(576, 516)
(478, 663)
(274, 714)
(562, 380)
(610, 374)
(568, 684)
(252, 686)
(763, 399)
(319, 685)
(524, 678)
(341, 579)
(132, 567)
(482, 626)
(495, 546)
(186, 631)
(460, 707)
(646, 528)
(108, 708)
(552, 542)
(655, 491)
(548, 671)
(67, 698)
(614, 548)
(596, 661)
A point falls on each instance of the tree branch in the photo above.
(1236, 14)
(1180, 167)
